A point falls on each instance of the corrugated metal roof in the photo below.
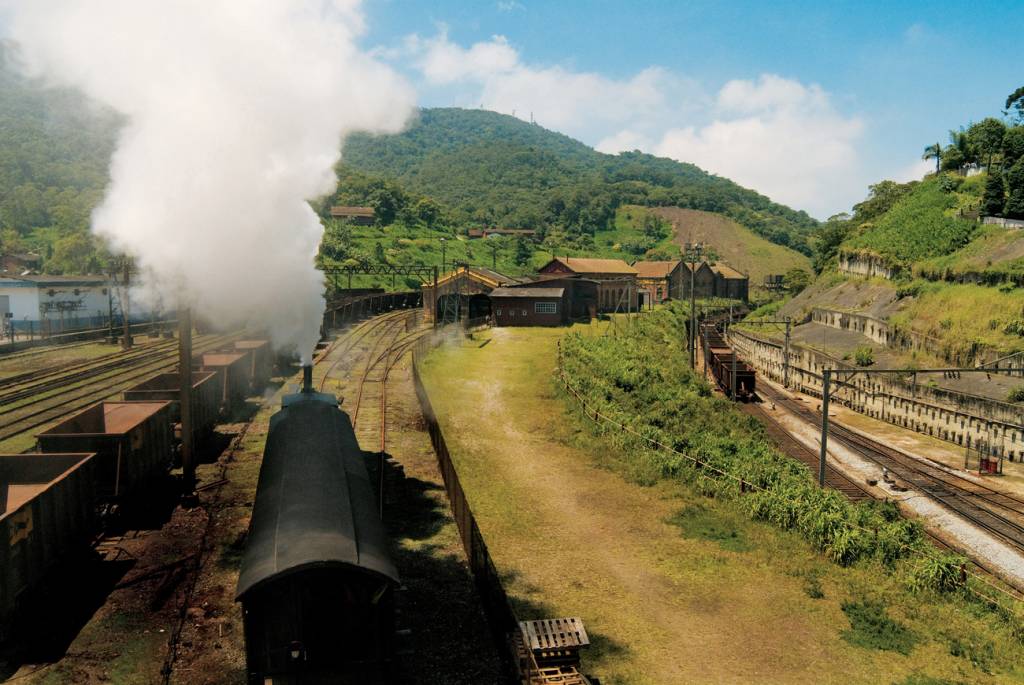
(655, 269)
(527, 292)
(596, 266)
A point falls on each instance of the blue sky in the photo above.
(807, 102)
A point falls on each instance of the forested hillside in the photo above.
(54, 151)
(492, 169)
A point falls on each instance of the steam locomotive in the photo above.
(317, 584)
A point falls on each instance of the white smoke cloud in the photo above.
(235, 112)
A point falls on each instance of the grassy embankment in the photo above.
(677, 586)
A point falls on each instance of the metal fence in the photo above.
(500, 615)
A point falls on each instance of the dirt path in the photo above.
(576, 539)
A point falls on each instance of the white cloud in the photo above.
(509, 6)
(914, 171)
(587, 105)
(782, 138)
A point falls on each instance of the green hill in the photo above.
(54, 151)
(494, 169)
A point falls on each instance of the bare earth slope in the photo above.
(737, 246)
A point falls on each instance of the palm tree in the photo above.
(933, 152)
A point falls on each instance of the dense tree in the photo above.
(1015, 191)
(829, 237)
(523, 251)
(994, 199)
(960, 151)
(986, 137)
(1015, 101)
(74, 254)
(796, 280)
(1013, 145)
(881, 198)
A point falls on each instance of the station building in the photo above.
(463, 293)
(617, 280)
(530, 306)
(50, 304)
(659, 281)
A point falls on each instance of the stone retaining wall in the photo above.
(959, 418)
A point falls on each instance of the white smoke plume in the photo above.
(235, 116)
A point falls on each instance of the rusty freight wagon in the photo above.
(206, 398)
(49, 514)
(132, 442)
(261, 360)
(234, 370)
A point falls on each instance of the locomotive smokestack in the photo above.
(307, 378)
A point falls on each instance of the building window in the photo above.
(512, 313)
(498, 312)
(524, 312)
(545, 307)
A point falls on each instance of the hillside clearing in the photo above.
(737, 246)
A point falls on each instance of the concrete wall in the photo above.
(961, 419)
(1005, 223)
(864, 265)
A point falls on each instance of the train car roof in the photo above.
(314, 504)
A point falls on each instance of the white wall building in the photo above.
(55, 302)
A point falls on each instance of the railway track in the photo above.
(77, 390)
(998, 513)
(361, 363)
(37, 382)
(787, 443)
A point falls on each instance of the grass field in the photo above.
(673, 586)
(736, 245)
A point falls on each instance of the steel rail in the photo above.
(944, 490)
(91, 395)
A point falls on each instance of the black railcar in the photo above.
(724, 363)
(317, 582)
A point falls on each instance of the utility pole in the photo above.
(435, 297)
(825, 388)
(785, 355)
(126, 344)
(693, 254)
(188, 465)
(110, 311)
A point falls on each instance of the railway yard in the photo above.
(462, 439)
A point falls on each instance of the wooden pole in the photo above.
(826, 383)
(188, 465)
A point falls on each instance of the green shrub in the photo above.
(938, 572)
(864, 356)
(1016, 395)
